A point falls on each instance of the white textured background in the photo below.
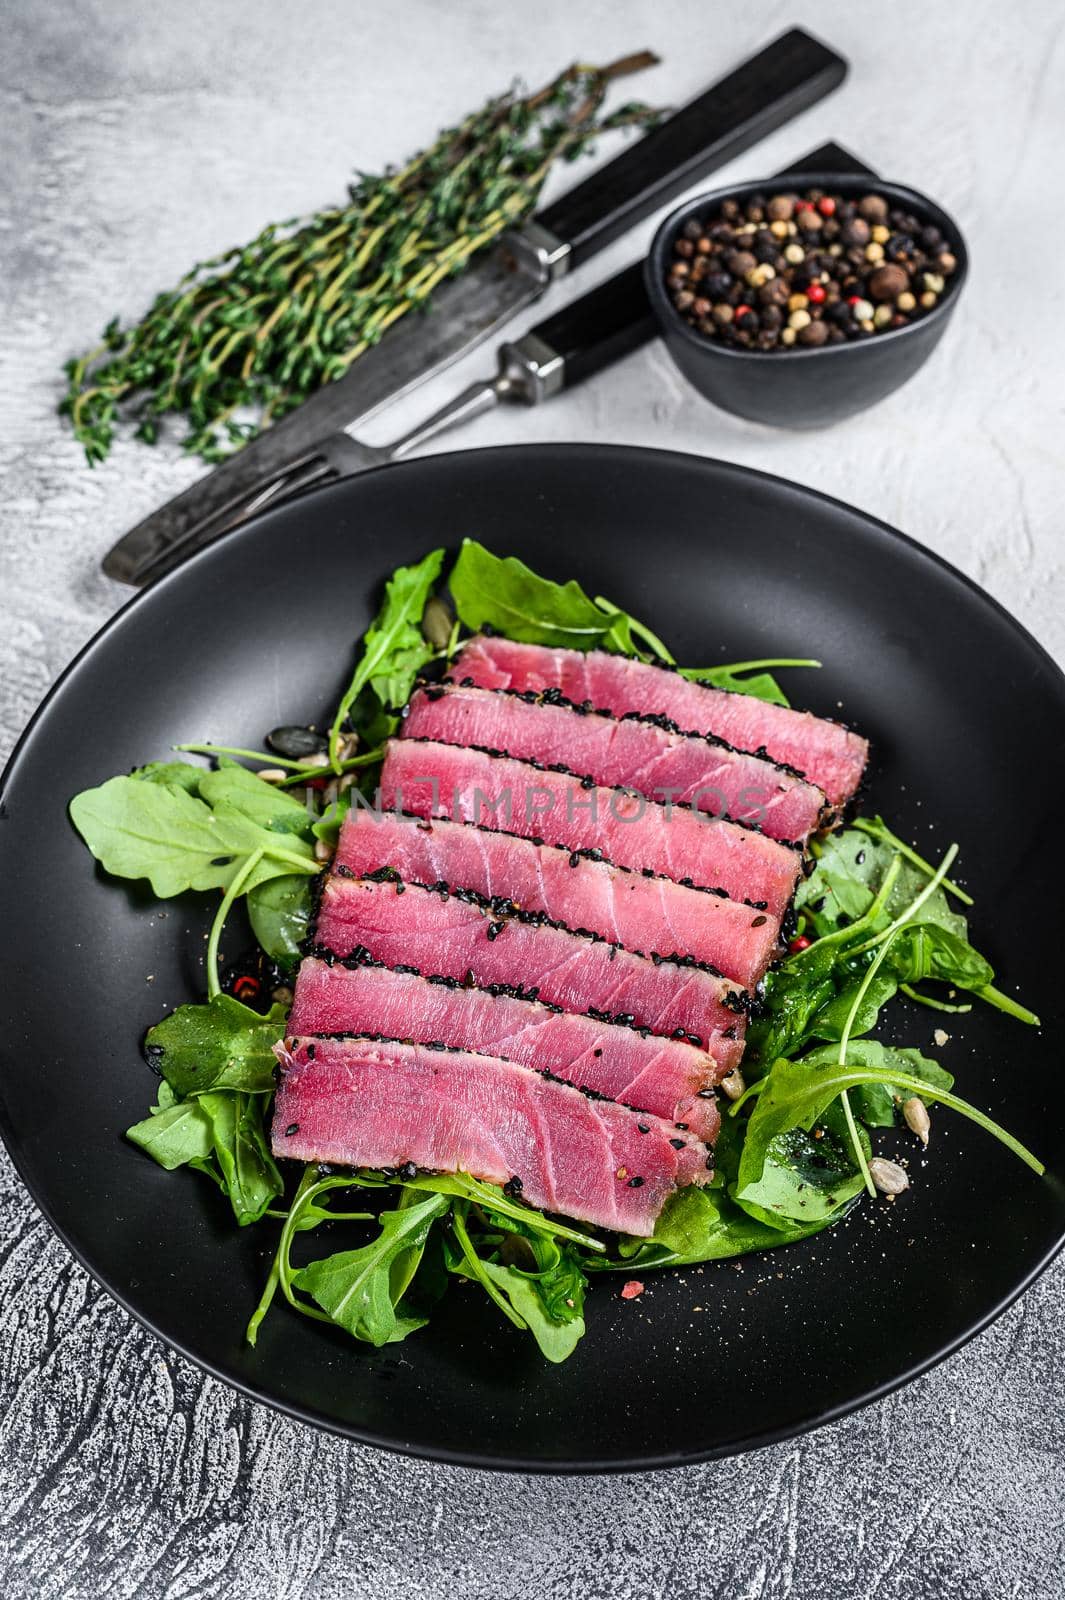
(135, 138)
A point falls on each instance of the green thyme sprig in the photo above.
(247, 336)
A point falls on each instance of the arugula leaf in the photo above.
(279, 912)
(264, 804)
(875, 1102)
(928, 950)
(530, 1294)
(354, 1287)
(501, 592)
(747, 677)
(249, 1173)
(220, 1045)
(490, 1198)
(795, 1094)
(394, 649)
(154, 830)
(175, 1135)
(704, 1225)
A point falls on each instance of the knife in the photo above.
(768, 89)
(567, 348)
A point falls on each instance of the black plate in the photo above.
(968, 718)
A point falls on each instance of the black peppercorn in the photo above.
(735, 276)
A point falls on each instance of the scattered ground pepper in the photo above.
(803, 270)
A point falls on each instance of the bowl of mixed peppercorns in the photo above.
(800, 302)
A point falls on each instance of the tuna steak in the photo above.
(652, 916)
(625, 829)
(825, 752)
(655, 761)
(439, 934)
(667, 1076)
(359, 1103)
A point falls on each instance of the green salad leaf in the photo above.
(502, 593)
(875, 1102)
(220, 1045)
(355, 1287)
(699, 1225)
(175, 1135)
(795, 1094)
(160, 830)
(394, 649)
(249, 1174)
(279, 911)
(747, 677)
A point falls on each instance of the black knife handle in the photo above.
(790, 74)
(615, 318)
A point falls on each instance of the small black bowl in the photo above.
(811, 386)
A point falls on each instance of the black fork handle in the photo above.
(615, 318)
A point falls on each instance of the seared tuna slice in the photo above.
(624, 828)
(361, 1103)
(441, 935)
(667, 1076)
(652, 916)
(655, 761)
(825, 752)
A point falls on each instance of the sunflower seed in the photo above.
(888, 1176)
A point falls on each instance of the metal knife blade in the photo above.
(763, 92)
(462, 313)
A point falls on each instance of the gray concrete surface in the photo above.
(135, 139)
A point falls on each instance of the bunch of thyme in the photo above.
(247, 336)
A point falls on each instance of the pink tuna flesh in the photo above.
(828, 754)
(358, 1103)
(640, 755)
(669, 1077)
(432, 930)
(626, 829)
(651, 916)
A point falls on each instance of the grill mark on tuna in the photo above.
(653, 719)
(610, 892)
(615, 1062)
(823, 749)
(758, 871)
(629, 751)
(363, 925)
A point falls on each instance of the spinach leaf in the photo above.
(220, 1045)
(249, 1173)
(394, 649)
(175, 774)
(175, 1135)
(829, 1019)
(155, 830)
(354, 1287)
(807, 1176)
(279, 912)
(262, 803)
